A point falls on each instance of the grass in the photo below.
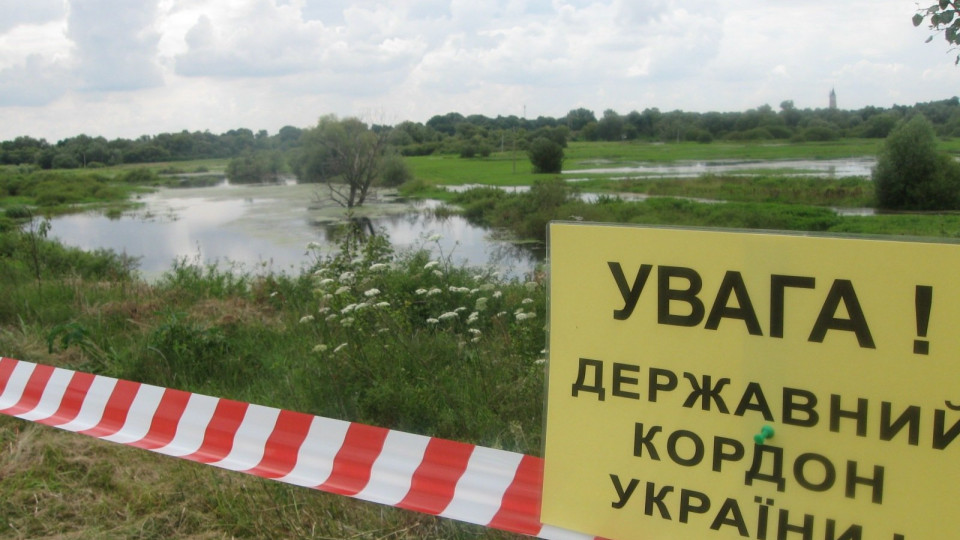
(845, 192)
(369, 335)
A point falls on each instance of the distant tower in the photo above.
(833, 99)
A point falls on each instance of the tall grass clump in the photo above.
(417, 344)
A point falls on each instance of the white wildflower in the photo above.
(347, 321)
(438, 273)
(382, 305)
(379, 267)
(481, 303)
(327, 297)
(531, 285)
(348, 309)
(324, 282)
(449, 315)
(347, 277)
(434, 238)
(486, 287)
(501, 314)
(460, 309)
(474, 291)
(475, 331)
(474, 316)
(455, 289)
(306, 319)
(323, 310)
(497, 294)
(339, 348)
(361, 306)
(434, 291)
(430, 265)
(370, 293)
(342, 290)
(320, 348)
(540, 361)
(527, 301)
(331, 317)
(431, 320)
(274, 293)
(420, 291)
(475, 340)
(313, 245)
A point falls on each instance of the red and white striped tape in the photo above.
(489, 487)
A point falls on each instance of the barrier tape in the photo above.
(484, 486)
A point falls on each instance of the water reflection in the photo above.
(270, 227)
(827, 168)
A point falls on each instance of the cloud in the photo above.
(35, 12)
(260, 40)
(35, 82)
(115, 44)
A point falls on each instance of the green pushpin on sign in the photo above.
(765, 433)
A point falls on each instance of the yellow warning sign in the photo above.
(708, 384)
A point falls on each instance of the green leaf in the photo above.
(944, 4)
(917, 19)
(946, 17)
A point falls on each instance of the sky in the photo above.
(122, 68)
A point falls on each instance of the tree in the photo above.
(911, 174)
(944, 16)
(344, 154)
(576, 119)
(610, 127)
(545, 155)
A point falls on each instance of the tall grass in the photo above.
(399, 340)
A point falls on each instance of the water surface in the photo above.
(270, 227)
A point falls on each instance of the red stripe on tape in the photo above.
(218, 438)
(520, 508)
(163, 425)
(32, 392)
(72, 400)
(7, 366)
(354, 461)
(438, 484)
(280, 452)
(115, 412)
(435, 480)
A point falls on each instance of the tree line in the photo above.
(479, 135)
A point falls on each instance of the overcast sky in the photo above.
(125, 68)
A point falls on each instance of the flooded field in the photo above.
(270, 226)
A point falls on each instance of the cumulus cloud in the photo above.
(34, 12)
(221, 64)
(115, 43)
(33, 83)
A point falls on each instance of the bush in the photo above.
(911, 174)
(140, 175)
(394, 171)
(546, 156)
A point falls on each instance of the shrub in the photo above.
(546, 156)
(911, 174)
(394, 171)
(140, 175)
